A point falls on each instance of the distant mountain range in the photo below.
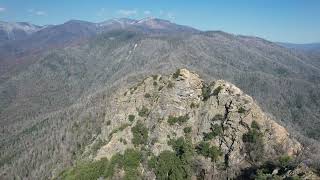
(15, 38)
(55, 82)
(20, 40)
(19, 30)
(82, 29)
(305, 47)
(16, 30)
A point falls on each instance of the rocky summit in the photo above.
(178, 126)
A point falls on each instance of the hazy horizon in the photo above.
(279, 21)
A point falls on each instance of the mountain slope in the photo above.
(55, 100)
(258, 67)
(312, 51)
(16, 31)
(304, 47)
(49, 37)
(36, 37)
(20, 52)
(180, 113)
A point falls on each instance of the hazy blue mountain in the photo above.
(312, 51)
(304, 47)
(16, 30)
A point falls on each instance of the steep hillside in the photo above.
(275, 77)
(179, 127)
(50, 102)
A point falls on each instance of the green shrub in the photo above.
(131, 117)
(155, 77)
(217, 90)
(255, 125)
(93, 170)
(153, 141)
(108, 123)
(170, 84)
(155, 83)
(97, 145)
(252, 136)
(140, 134)
(262, 175)
(182, 147)
(254, 145)
(294, 178)
(169, 166)
(208, 136)
(123, 141)
(187, 130)
(116, 161)
(241, 110)
(284, 160)
(206, 150)
(218, 117)
(152, 162)
(194, 105)
(129, 161)
(176, 74)
(172, 120)
(143, 112)
(206, 92)
(174, 165)
(269, 170)
(147, 95)
(86, 170)
(216, 130)
(181, 119)
(121, 128)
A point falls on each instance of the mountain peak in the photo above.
(122, 21)
(147, 19)
(75, 21)
(164, 113)
(154, 23)
(19, 25)
(16, 30)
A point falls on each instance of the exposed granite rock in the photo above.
(218, 104)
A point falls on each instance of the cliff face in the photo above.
(216, 116)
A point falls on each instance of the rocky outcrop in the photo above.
(218, 113)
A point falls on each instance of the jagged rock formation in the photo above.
(183, 105)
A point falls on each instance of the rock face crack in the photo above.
(244, 124)
(227, 110)
(225, 126)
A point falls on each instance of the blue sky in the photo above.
(296, 21)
